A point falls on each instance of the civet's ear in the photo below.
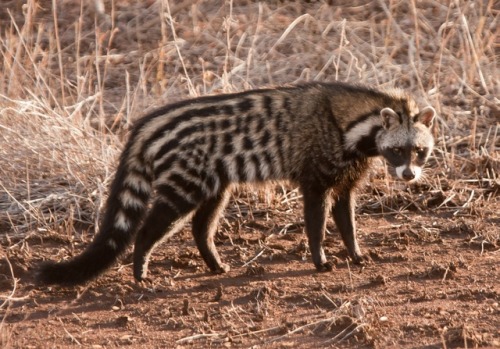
(389, 118)
(426, 116)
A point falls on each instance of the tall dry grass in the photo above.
(75, 74)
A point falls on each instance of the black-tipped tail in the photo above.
(96, 259)
(126, 205)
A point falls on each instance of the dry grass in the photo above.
(73, 78)
(69, 91)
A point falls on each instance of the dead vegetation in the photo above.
(74, 75)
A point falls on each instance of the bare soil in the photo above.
(433, 280)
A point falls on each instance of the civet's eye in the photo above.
(420, 152)
(397, 151)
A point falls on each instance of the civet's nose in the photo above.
(408, 174)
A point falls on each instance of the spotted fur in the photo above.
(182, 160)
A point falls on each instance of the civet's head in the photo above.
(406, 140)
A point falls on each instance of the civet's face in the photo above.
(407, 141)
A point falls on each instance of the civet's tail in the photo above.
(125, 208)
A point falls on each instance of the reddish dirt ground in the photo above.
(432, 283)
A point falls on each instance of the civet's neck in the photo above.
(361, 136)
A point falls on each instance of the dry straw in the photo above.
(73, 75)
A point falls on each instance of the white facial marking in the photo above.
(399, 171)
(417, 170)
